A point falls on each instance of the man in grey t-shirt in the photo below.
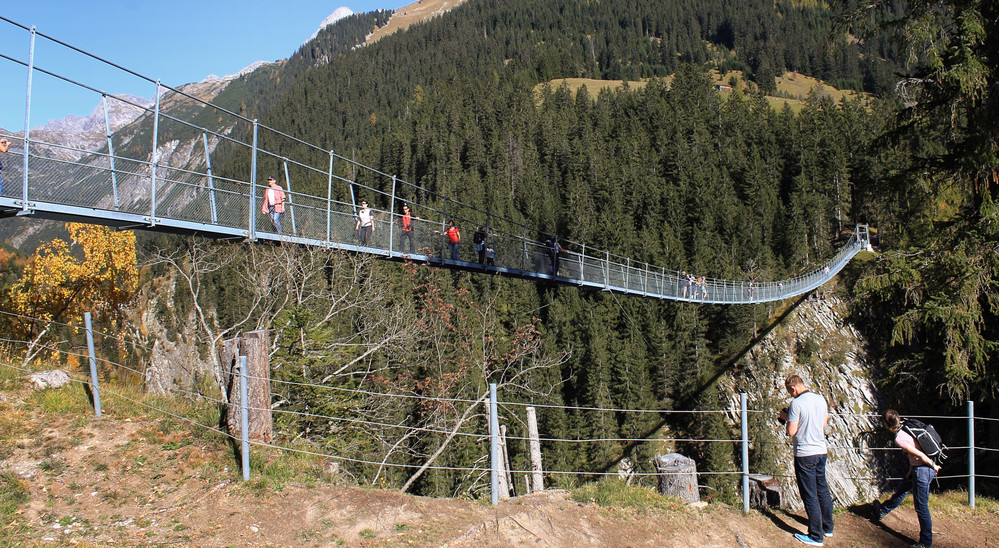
(806, 422)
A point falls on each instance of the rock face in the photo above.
(816, 344)
(175, 365)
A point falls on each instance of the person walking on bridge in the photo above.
(805, 420)
(365, 225)
(555, 250)
(453, 238)
(479, 238)
(274, 203)
(407, 229)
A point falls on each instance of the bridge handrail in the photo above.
(157, 193)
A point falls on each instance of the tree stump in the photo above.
(254, 345)
(677, 476)
(764, 491)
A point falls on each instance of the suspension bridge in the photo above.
(157, 173)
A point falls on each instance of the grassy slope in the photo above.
(795, 86)
(146, 474)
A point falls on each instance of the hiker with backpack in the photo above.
(922, 470)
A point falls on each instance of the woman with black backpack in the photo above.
(922, 470)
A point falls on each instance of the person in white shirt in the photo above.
(806, 418)
(365, 225)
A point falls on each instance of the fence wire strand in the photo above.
(510, 407)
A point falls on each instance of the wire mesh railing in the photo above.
(166, 171)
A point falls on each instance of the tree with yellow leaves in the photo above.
(57, 285)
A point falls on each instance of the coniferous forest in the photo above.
(672, 172)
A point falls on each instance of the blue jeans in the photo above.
(810, 472)
(454, 251)
(276, 221)
(920, 478)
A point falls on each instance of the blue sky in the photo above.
(176, 42)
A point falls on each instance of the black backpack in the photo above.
(927, 439)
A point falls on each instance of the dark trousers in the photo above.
(810, 472)
(454, 251)
(918, 481)
(406, 235)
(364, 234)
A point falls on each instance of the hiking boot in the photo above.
(807, 539)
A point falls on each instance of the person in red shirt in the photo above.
(407, 229)
(922, 470)
(453, 238)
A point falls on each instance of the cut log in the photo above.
(255, 346)
(677, 476)
(764, 491)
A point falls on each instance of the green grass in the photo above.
(13, 493)
(956, 502)
(68, 400)
(613, 492)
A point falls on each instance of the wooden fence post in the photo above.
(537, 477)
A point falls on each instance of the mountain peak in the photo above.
(337, 15)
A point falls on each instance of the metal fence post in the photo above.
(114, 172)
(27, 122)
(156, 157)
(94, 387)
(252, 198)
(971, 453)
(494, 461)
(391, 219)
(329, 202)
(291, 201)
(211, 183)
(244, 419)
(744, 415)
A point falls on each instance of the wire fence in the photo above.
(475, 427)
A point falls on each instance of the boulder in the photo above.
(55, 378)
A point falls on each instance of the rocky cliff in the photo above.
(817, 343)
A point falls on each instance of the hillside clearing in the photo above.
(792, 88)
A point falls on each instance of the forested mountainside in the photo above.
(536, 41)
(673, 173)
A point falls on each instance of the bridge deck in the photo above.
(115, 183)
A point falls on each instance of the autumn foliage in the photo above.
(95, 271)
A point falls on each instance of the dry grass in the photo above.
(406, 16)
(792, 88)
